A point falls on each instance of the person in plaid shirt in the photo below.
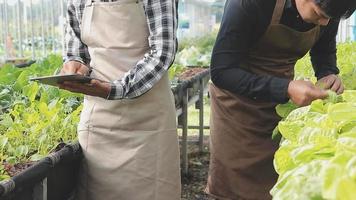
(127, 128)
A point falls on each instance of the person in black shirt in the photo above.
(252, 71)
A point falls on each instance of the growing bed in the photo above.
(53, 177)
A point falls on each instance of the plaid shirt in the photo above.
(161, 18)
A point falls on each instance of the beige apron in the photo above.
(241, 164)
(130, 146)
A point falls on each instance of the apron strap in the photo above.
(278, 11)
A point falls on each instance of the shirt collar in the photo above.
(289, 4)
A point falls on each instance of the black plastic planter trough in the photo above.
(52, 178)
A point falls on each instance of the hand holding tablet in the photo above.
(77, 83)
(55, 80)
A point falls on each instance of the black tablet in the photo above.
(57, 79)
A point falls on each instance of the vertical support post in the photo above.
(6, 30)
(25, 25)
(19, 26)
(52, 4)
(32, 32)
(47, 22)
(201, 115)
(63, 20)
(40, 190)
(3, 38)
(183, 122)
(347, 35)
(43, 30)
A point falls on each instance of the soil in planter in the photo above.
(14, 169)
(194, 183)
(189, 73)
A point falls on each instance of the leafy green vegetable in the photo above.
(317, 156)
(34, 118)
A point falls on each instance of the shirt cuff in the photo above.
(74, 58)
(116, 92)
(279, 90)
(321, 75)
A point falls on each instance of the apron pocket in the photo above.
(83, 138)
(86, 115)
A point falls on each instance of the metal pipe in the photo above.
(62, 25)
(42, 30)
(32, 32)
(347, 35)
(53, 27)
(25, 25)
(6, 30)
(201, 115)
(19, 27)
(47, 23)
(13, 29)
(3, 38)
(183, 121)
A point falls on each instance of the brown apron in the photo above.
(130, 146)
(241, 164)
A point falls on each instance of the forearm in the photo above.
(253, 86)
(323, 53)
(324, 64)
(162, 40)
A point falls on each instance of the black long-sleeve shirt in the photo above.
(243, 23)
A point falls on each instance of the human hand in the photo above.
(332, 82)
(94, 88)
(302, 93)
(74, 67)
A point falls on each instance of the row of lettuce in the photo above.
(317, 154)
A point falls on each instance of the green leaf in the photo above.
(21, 81)
(6, 120)
(8, 74)
(11, 160)
(349, 95)
(31, 90)
(276, 135)
(36, 157)
(21, 151)
(298, 114)
(347, 144)
(290, 129)
(283, 110)
(333, 97)
(283, 161)
(318, 106)
(351, 168)
(342, 112)
(346, 189)
(331, 181)
(3, 141)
